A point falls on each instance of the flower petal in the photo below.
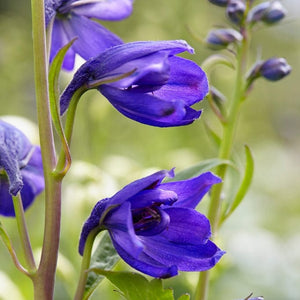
(93, 38)
(187, 226)
(146, 264)
(187, 81)
(151, 70)
(14, 146)
(120, 227)
(111, 10)
(141, 184)
(6, 203)
(187, 257)
(146, 198)
(92, 222)
(191, 191)
(58, 40)
(32, 173)
(146, 108)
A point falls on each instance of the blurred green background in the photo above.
(262, 238)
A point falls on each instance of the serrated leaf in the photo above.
(245, 184)
(184, 297)
(203, 166)
(134, 286)
(105, 257)
(53, 76)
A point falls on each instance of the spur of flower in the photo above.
(72, 18)
(145, 81)
(154, 226)
(21, 169)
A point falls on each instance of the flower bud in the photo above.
(236, 11)
(267, 12)
(221, 38)
(275, 13)
(275, 69)
(219, 2)
(257, 12)
(272, 69)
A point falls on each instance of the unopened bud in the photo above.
(221, 38)
(236, 11)
(219, 2)
(272, 69)
(275, 69)
(267, 12)
(257, 12)
(275, 13)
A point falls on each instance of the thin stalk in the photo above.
(69, 127)
(225, 153)
(7, 242)
(85, 264)
(43, 281)
(23, 232)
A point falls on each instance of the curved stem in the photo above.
(85, 264)
(7, 242)
(69, 127)
(22, 228)
(225, 153)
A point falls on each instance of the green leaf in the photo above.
(203, 166)
(105, 257)
(54, 72)
(245, 184)
(184, 297)
(134, 286)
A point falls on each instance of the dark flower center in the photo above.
(150, 220)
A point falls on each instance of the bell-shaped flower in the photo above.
(21, 169)
(159, 88)
(154, 226)
(72, 19)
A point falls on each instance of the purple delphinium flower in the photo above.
(72, 18)
(159, 90)
(21, 169)
(154, 226)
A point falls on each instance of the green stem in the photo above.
(43, 281)
(22, 228)
(69, 127)
(85, 264)
(225, 153)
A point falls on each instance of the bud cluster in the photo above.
(269, 12)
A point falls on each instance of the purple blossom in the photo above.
(72, 18)
(160, 89)
(154, 226)
(21, 169)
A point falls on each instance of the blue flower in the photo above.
(154, 226)
(21, 169)
(72, 18)
(159, 90)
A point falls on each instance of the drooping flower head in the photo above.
(160, 89)
(21, 169)
(154, 226)
(72, 18)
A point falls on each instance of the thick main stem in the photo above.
(225, 153)
(44, 279)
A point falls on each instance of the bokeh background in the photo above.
(262, 238)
